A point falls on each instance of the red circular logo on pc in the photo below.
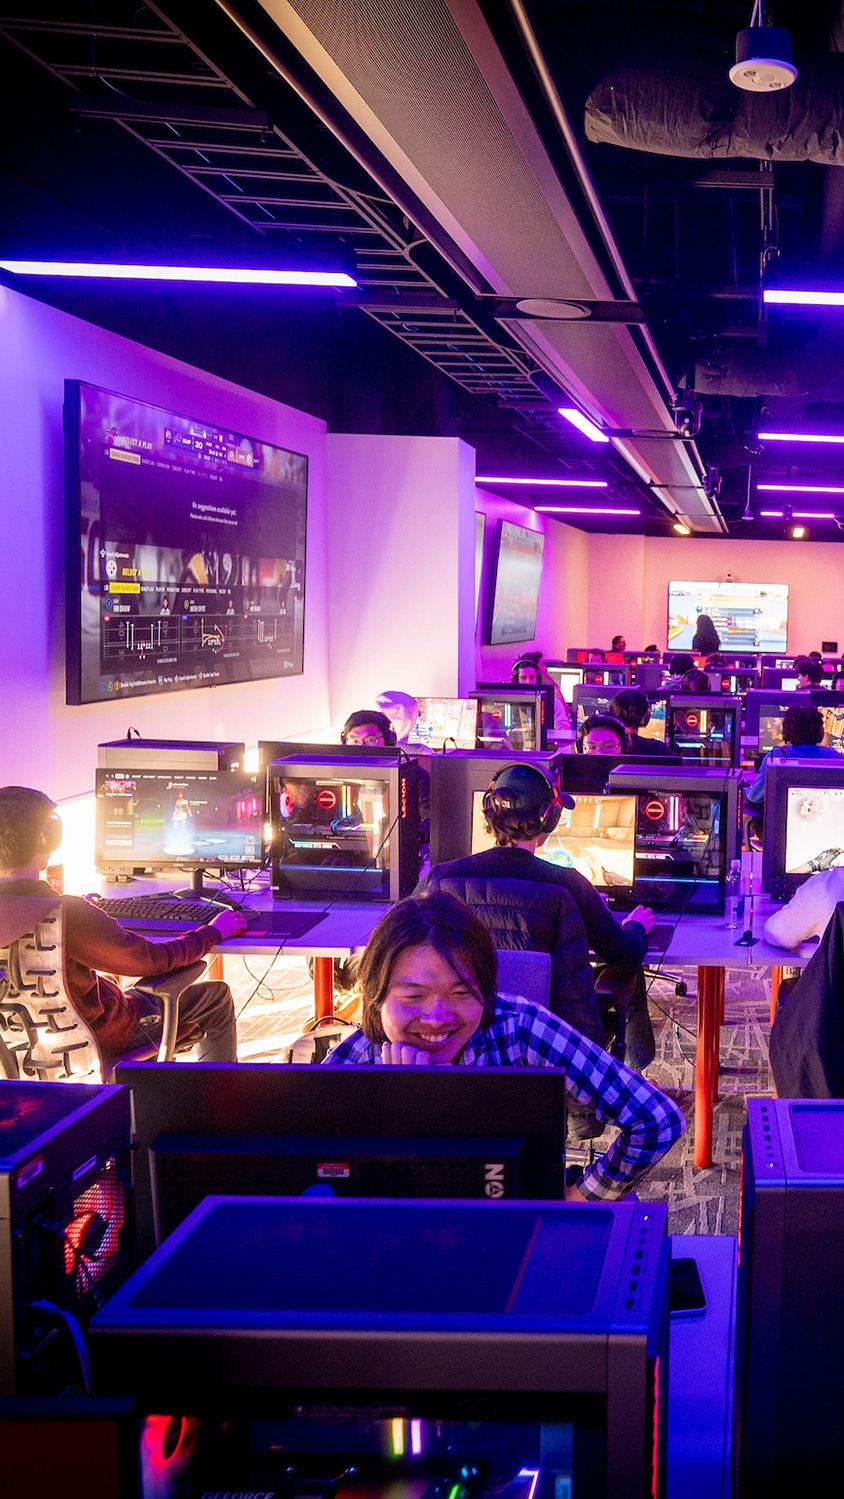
(692, 720)
(327, 799)
(654, 809)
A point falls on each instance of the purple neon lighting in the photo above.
(583, 424)
(802, 514)
(773, 513)
(533, 1475)
(803, 488)
(234, 275)
(800, 436)
(803, 298)
(562, 483)
(583, 510)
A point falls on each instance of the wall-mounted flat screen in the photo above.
(185, 551)
(518, 573)
(480, 527)
(747, 616)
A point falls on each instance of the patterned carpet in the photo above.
(274, 1000)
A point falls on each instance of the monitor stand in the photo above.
(199, 891)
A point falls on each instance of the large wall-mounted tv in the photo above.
(518, 574)
(747, 616)
(185, 551)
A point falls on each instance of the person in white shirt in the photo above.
(809, 911)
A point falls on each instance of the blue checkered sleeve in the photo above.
(648, 1121)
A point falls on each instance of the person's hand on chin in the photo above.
(396, 1053)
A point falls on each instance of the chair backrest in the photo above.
(42, 1038)
(526, 974)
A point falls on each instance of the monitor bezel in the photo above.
(116, 868)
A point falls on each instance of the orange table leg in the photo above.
(776, 980)
(710, 1001)
(214, 966)
(323, 988)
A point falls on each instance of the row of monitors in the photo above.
(345, 826)
(591, 655)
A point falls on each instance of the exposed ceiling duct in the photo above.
(677, 102)
(426, 83)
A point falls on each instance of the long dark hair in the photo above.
(449, 927)
(706, 638)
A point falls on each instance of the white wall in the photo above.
(401, 567)
(44, 742)
(628, 583)
(561, 618)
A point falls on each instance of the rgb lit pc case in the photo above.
(64, 1224)
(344, 829)
(451, 1348)
(804, 820)
(687, 833)
(789, 1386)
(704, 728)
(513, 717)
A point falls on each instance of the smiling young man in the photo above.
(428, 986)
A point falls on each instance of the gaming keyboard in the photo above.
(159, 912)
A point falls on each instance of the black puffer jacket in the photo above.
(529, 904)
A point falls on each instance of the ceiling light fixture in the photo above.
(583, 424)
(800, 436)
(772, 514)
(763, 57)
(582, 510)
(234, 275)
(562, 483)
(803, 488)
(777, 297)
(798, 532)
(681, 529)
(803, 514)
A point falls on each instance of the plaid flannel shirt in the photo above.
(527, 1035)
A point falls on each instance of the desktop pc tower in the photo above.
(513, 1349)
(64, 1225)
(789, 1383)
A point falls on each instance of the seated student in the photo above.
(802, 732)
(632, 708)
(368, 726)
(527, 670)
(681, 662)
(402, 711)
(809, 672)
(528, 903)
(618, 643)
(602, 734)
(119, 1020)
(428, 986)
(695, 681)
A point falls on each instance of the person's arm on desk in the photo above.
(623, 945)
(809, 910)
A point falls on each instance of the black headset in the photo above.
(519, 790)
(604, 721)
(377, 719)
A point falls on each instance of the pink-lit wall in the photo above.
(44, 742)
(401, 567)
(562, 613)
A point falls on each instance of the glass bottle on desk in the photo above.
(735, 896)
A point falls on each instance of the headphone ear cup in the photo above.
(51, 835)
(391, 739)
(343, 739)
(552, 817)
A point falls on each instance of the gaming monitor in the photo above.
(596, 838)
(445, 722)
(515, 592)
(565, 676)
(747, 616)
(831, 705)
(512, 717)
(366, 1131)
(704, 729)
(763, 714)
(804, 818)
(687, 833)
(185, 551)
(344, 829)
(455, 778)
(157, 817)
